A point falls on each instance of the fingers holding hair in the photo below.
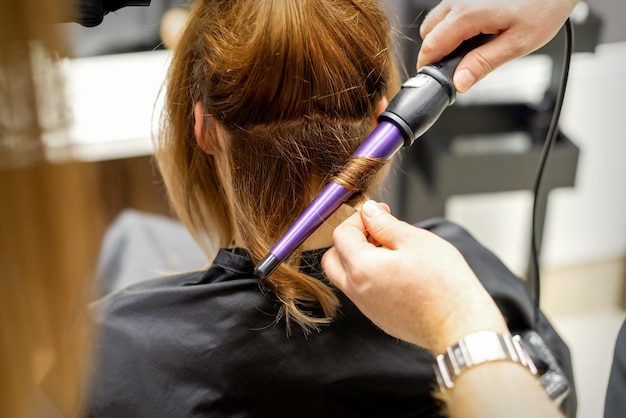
(349, 239)
(352, 243)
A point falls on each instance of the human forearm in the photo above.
(436, 299)
(499, 389)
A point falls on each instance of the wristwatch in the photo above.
(478, 348)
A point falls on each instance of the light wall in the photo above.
(588, 222)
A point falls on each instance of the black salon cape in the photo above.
(205, 345)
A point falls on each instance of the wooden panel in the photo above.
(131, 183)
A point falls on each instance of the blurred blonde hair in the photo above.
(45, 218)
(290, 88)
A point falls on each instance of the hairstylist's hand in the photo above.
(414, 285)
(522, 26)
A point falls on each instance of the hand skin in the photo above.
(418, 287)
(522, 26)
(415, 286)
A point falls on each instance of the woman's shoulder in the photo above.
(179, 290)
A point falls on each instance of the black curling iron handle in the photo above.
(447, 66)
(424, 97)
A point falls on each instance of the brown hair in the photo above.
(289, 89)
(45, 218)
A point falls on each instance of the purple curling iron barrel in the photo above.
(411, 112)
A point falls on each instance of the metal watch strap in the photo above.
(478, 348)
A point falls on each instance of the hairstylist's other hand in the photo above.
(408, 281)
(522, 26)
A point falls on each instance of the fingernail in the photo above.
(463, 80)
(370, 209)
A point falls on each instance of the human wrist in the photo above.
(474, 315)
(477, 349)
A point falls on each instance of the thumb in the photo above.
(483, 60)
(383, 227)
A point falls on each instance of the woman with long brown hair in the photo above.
(263, 105)
(265, 100)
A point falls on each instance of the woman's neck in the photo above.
(323, 236)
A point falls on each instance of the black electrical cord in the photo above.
(549, 142)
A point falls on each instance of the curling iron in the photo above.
(410, 114)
